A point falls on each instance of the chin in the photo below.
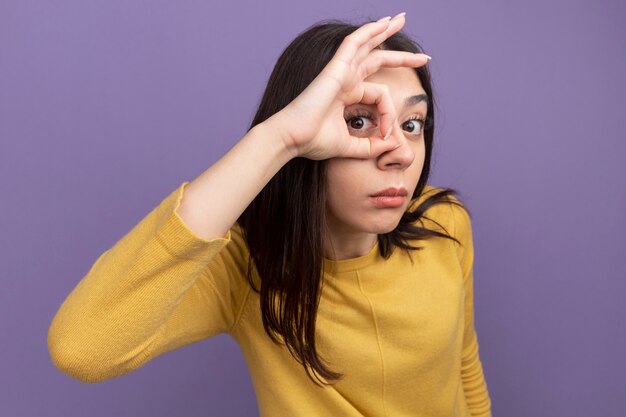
(382, 226)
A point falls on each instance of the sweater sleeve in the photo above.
(160, 287)
(474, 384)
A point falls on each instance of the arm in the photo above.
(474, 384)
(311, 126)
(172, 279)
(217, 197)
(160, 287)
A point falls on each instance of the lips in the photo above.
(389, 198)
(391, 192)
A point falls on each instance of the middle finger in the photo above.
(391, 59)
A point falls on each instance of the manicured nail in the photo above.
(399, 15)
(384, 18)
(388, 133)
(427, 57)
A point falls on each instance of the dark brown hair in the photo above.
(284, 225)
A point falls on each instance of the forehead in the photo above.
(403, 81)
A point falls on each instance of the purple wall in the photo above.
(106, 106)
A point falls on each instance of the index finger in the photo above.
(395, 25)
(350, 46)
(392, 59)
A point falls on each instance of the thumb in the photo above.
(371, 147)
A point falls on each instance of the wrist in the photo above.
(270, 136)
(275, 126)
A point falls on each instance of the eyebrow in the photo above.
(413, 100)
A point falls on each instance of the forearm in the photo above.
(214, 200)
(474, 385)
(116, 318)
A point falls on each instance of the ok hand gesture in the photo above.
(313, 124)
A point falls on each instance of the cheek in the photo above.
(418, 162)
(345, 188)
(344, 176)
(420, 151)
(341, 193)
(339, 186)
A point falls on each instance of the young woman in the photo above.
(314, 242)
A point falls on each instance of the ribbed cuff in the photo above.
(179, 239)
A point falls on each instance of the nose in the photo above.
(402, 156)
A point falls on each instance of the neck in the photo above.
(339, 246)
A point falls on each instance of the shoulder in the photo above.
(443, 210)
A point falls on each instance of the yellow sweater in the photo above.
(402, 333)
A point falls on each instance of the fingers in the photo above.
(365, 148)
(378, 95)
(353, 42)
(360, 42)
(395, 25)
(391, 59)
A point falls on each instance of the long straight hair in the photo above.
(284, 225)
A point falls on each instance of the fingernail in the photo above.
(384, 18)
(399, 15)
(427, 57)
(388, 133)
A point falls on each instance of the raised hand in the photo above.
(313, 124)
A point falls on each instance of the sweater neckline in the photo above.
(352, 264)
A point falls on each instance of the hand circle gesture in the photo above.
(313, 124)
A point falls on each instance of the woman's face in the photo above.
(369, 196)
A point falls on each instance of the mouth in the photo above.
(389, 197)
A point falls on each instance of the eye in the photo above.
(414, 126)
(360, 121)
